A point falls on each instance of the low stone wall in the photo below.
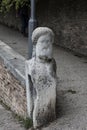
(12, 80)
(12, 93)
(68, 19)
(10, 19)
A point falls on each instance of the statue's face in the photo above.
(44, 47)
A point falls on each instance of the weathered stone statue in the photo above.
(41, 79)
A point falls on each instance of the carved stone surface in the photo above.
(41, 79)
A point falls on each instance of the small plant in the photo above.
(27, 123)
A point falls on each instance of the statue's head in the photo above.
(43, 37)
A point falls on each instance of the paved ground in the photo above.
(7, 122)
(14, 39)
(72, 88)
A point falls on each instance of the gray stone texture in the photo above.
(41, 79)
(13, 61)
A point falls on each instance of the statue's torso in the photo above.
(41, 75)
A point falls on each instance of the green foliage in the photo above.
(27, 123)
(6, 5)
(21, 3)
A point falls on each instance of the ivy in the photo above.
(6, 5)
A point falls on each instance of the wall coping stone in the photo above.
(14, 62)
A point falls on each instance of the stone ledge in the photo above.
(11, 92)
(12, 80)
(14, 62)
